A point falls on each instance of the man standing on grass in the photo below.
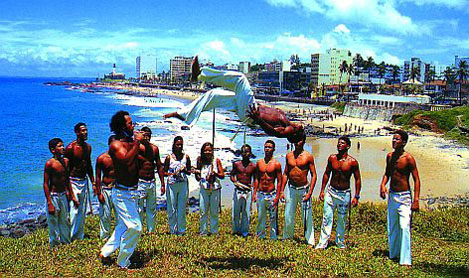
(149, 160)
(242, 176)
(298, 164)
(342, 166)
(79, 155)
(399, 166)
(268, 170)
(104, 184)
(124, 152)
(58, 190)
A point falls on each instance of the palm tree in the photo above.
(395, 72)
(381, 70)
(342, 68)
(414, 73)
(358, 64)
(370, 64)
(449, 77)
(462, 73)
(350, 71)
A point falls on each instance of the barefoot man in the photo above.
(238, 97)
(79, 154)
(342, 166)
(298, 164)
(104, 182)
(399, 166)
(124, 151)
(58, 190)
(149, 161)
(268, 170)
(242, 177)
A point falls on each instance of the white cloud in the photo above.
(444, 3)
(341, 28)
(380, 13)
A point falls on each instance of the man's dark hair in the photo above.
(346, 139)
(403, 134)
(77, 126)
(298, 136)
(270, 142)
(177, 138)
(53, 143)
(246, 146)
(118, 121)
(146, 129)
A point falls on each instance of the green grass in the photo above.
(440, 246)
(445, 119)
(340, 106)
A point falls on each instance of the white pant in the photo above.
(105, 214)
(339, 199)
(238, 97)
(59, 225)
(209, 203)
(265, 203)
(147, 202)
(128, 226)
(77, 215)
(293, 196)
(399, 213)
(241, 212)
(176, 203)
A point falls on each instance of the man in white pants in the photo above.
(342, 166)
(124, 151)
(238, 97)
(399, 166)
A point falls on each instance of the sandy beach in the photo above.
(443, 166)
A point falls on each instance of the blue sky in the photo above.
(84, 38)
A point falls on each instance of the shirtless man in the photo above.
(298, 164)
(268, 170)
(124, 152)
(58, 190)
(342, 166)
(105, 168)
(79, 154)
(399, 166)
(149, 160)
(242, 176)
(240, 97)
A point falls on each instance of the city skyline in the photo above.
(85, 38)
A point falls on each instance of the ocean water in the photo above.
(33, 113)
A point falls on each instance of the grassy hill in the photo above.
(440, 121)
(440, 247)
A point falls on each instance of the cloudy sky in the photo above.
(85, 37)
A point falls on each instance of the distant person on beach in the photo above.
(268, 171)
(58, 192)
(338, 194)
(124, 152)
(208, 173)
(79, 154)
(149, 161)
(177, 166)
(104, 182)
(242, 175)
(238, 97)
(399, 166)
(299, 163)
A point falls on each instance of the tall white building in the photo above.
(244, 67)
(325, 67)
(146, 66)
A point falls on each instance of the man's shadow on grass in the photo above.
(241, 263)
(442, 269)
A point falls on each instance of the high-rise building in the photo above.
(146, 66)
(325, 67)
(418, 65)
(244, 67)
(180, 68)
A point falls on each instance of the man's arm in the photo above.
(70, 190)
(90, 166)
(233, 174)
(384, 181)
(189, 165)
(278, 169)
(415, 176)
(280, 132)
(256, 182)
(50, 206)
(158, 164)
(283, 182)
(97, 188)
(122, 155)
(220, 171)
(358, 183)
(325, 178)
(314, 177)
